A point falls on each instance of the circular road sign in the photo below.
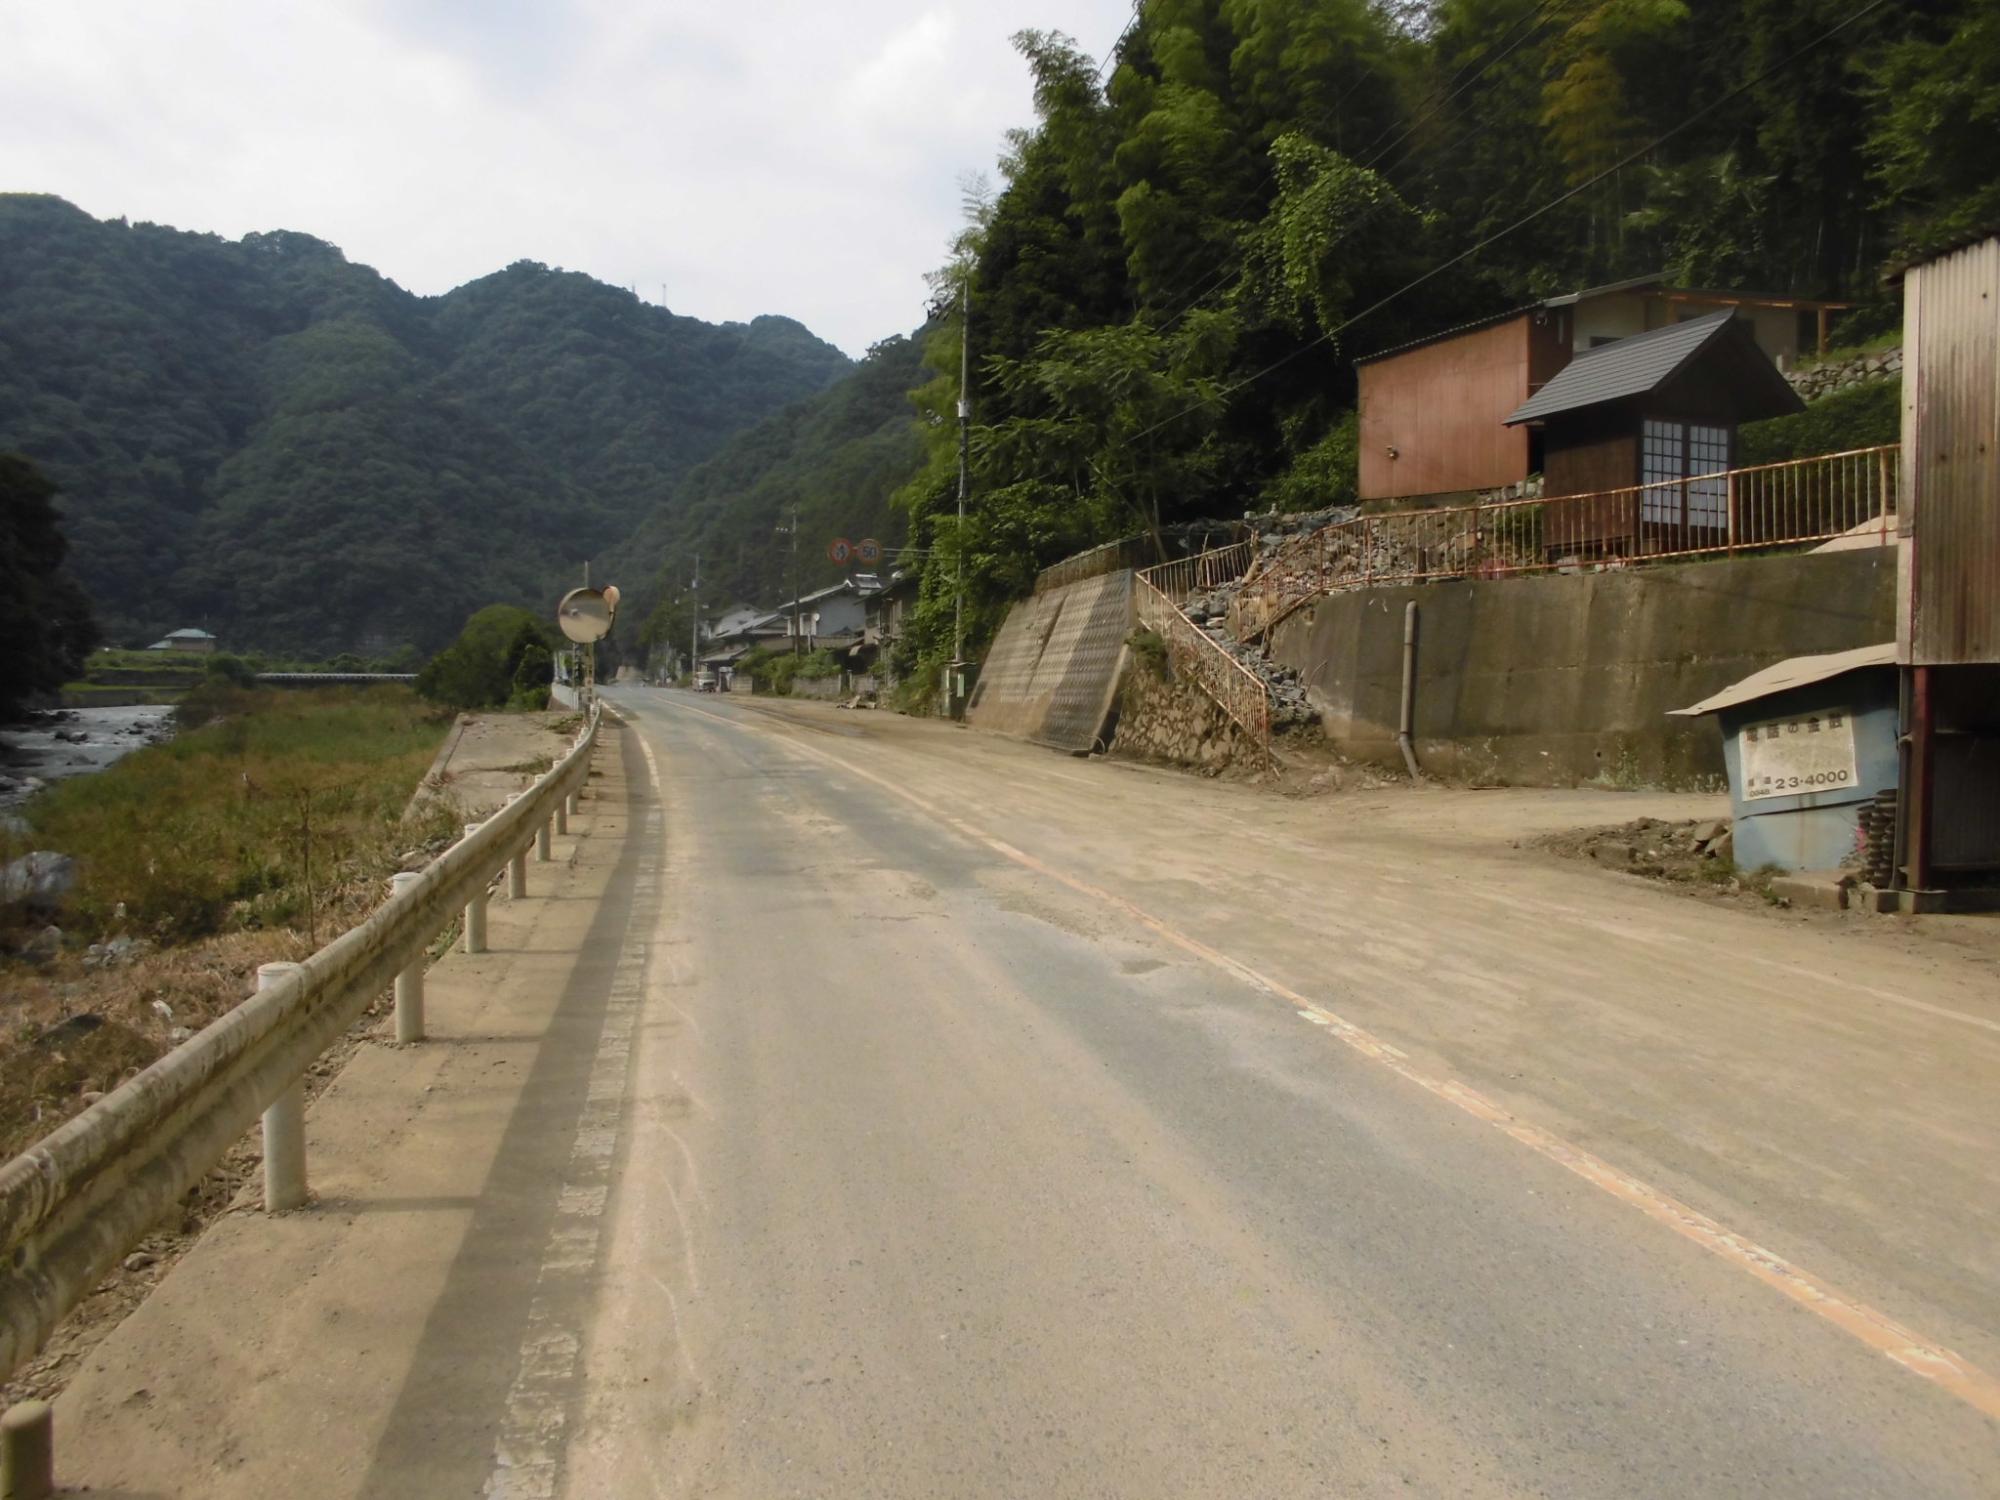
(584, 615)
(840, 550)
(868, 550)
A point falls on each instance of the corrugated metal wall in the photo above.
(1949, 594)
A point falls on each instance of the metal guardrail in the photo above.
(1205, 570)
(1237, 690)
(1763, 507)
(74, 1203)
(1095, 563)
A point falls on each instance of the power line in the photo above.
(1521, 223)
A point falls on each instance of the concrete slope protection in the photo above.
(885, 1110)
(1051, 675)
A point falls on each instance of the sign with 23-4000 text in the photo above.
(1789, 757)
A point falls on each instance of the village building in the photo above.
(1433, 412)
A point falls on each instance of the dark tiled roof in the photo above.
(1630, 367)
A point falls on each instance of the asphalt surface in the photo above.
(955, 1158)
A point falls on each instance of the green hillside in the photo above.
(837, 456)
(261, 438)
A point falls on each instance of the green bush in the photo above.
(485, 666)
(227, 668)
(1862, 416)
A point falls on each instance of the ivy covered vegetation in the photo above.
(1185, 254)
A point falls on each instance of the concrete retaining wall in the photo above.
(1053, 669)
(1567, 679)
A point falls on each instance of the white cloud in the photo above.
(787, 156)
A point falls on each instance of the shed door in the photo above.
(1682, 463)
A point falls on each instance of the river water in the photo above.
(44, 750)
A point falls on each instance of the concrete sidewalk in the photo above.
(457, 1190)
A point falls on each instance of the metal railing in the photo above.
(1107, 558)
(1237, 690)
(74, 1203)
(1205, 570)
(1764, 507)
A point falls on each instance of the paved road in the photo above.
(859, 1106)
(948, 1174)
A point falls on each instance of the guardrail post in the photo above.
(543, 834)
(569, 804)
(284, 1124)
(28, 1452)
(475, 910)
(562, 815)
(517, 876)
(409, 983)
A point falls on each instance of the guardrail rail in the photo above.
(75, 1202)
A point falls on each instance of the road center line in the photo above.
(1878, 1331)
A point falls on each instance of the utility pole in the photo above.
(694, 628)
(792, 530)
(964, 457)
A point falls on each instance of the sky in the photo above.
(802, 157)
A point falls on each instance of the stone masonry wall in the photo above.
(1165, 720)
(1815, 381)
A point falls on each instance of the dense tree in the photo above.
(502, 656)
(1184, 259)
(46, 629)
(261, 436)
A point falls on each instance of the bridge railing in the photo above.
(74, 1203)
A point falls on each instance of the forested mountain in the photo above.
(836, 457)
(1194, 242)
(261, 438)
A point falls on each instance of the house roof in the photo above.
(1656, 281)
(189, 634)
(740, 618)
(1645, 362)
(1797, 672)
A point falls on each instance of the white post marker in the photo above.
(284, 1124)
(409, 983)
(475, 910)
(28, 1451)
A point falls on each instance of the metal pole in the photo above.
(694, 625)
(517, 876)
(284, 1124)
(562, 815)
(544, 842)
(409, 983)
(28, 1451)
(475, 910)
(798, 640)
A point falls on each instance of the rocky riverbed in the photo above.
(74, 742)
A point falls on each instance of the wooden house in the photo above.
(1647, 427)
(1432, 412)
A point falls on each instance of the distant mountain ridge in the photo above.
(262, 438)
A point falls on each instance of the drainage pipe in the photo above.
(1404, 724)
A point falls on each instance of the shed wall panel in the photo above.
(1442, 408)
(1949, 595)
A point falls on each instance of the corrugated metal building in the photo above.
(1948, 593)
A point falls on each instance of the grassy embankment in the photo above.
(254, 836)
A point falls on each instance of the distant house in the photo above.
(834, 616)
(1432, 412)
(734, 635)
(886, 616)
(185, 640)
(1647, 426)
